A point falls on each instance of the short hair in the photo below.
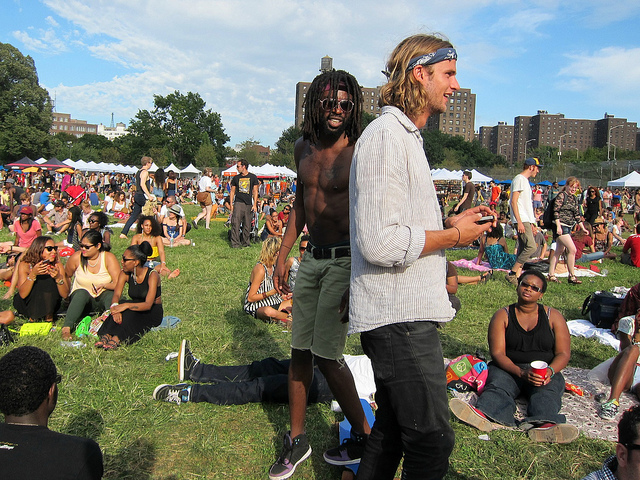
(403, 90)
(305, 238)
(243, 162)
(638, 228)
(571, 181)
(313, 115)
(26, 375)
(269, 250)
(156, 228)
(535, 273)
(102, 218)
(468, 174)
(146, 160)
(496, 232)
(628, 426)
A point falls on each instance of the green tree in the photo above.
(25, 108)
(206, 156)
(366, 119)
(285, 145)
(247, 150)
(178, 123)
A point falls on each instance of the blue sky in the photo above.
(245, 57)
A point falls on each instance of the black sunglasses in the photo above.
(329, 104)
(86, 247)
(50, 248)
(58, 378)
(125, 259)
(535, 288)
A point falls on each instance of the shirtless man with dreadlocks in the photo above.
(330, 129)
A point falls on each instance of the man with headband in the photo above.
(398, 265)
(330, 129)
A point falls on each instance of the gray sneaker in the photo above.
(294, 452)
(349, 453)
(512, 279)
(180, 393)
(186, 361)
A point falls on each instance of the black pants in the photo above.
(261, 381)
(138, 202)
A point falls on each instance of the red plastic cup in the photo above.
(540, 368)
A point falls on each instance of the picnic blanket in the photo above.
(472, 265)
(580, 411)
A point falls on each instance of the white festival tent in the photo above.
(172, 168)
(446, 175)
(266, 170)
(190, 171)
(630, 180)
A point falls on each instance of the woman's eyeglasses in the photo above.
(329, 104)
(50, 248)
(125, 259)
(535, 288)
(86, 247)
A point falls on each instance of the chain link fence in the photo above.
(589, 173)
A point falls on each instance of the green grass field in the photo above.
(107, 395)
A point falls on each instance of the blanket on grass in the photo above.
(580, 411)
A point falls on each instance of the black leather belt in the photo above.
(329, 253)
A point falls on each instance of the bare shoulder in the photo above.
(300, 147)
(556, 319)
(500, 318)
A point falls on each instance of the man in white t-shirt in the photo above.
(523, 216)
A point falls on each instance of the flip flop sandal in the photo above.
(111, 345)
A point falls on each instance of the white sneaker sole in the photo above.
(183, 344)
(292, 471)
(560, 433)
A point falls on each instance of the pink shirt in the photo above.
(25, 239)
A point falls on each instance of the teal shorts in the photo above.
(316, 326)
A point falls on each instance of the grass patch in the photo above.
(107, 395)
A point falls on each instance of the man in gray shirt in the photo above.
(398, 265)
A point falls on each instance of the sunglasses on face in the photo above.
(50, 248)
(329, 104)
(86, 247)
(125, 259)
(535, 288)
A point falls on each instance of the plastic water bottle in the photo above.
(171, 242)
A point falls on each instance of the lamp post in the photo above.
(609, 141)
(525, 147)
(560, 146)
(500, 151)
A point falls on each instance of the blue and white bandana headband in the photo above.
(439, 55)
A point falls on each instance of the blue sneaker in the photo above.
(294, 452)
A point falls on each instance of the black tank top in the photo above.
(525, 347)
(139, 185)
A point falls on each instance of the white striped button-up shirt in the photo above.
(392, 202)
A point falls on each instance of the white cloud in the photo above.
(46, 41)
(51, 21)
(606, 76)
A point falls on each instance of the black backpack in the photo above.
(601, 308)
(548, 221)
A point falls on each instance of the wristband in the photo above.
(30, 279)
(113, 305)
(164, 262)
(458, 236)
(553, 372)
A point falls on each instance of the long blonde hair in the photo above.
(403, 90)
(269, 251)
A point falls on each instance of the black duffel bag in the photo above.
(601, 308)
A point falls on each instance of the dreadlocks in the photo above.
(313, 113)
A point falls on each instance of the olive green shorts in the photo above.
(320, 286)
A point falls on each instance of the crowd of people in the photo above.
(370, 263)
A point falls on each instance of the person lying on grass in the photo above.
(519, 334)
(263, 381)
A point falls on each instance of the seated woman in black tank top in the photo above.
(519, 334)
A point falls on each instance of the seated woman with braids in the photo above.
(95, 271)
(41, 281)
(131, 319)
